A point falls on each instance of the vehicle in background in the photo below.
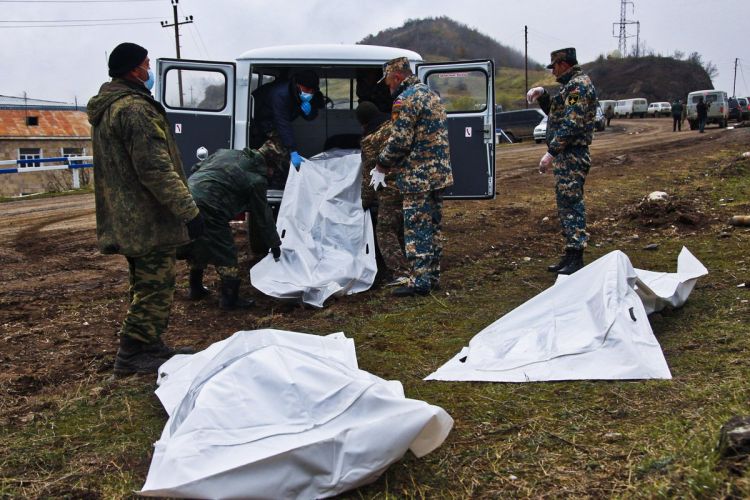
(718, 107)
(540, 131)
(657, 109)
(745, 105)
(738, 108)
(605, 103)
(519, 124)
(628, 108)
(210, 104)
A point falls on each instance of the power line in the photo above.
(70, 25)
(75, 1)
(79, 20)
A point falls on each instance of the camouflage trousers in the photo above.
(389, 231)
(570, 168)
(151, 279)
(423, 215)
(215, 246)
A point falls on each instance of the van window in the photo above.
(195, 89)
(620, 103)
(339, 91)
(460, 92)
(641, 101)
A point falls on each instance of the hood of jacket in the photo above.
(108, 94)
(253, 162)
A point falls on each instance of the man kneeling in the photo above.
(223, 185)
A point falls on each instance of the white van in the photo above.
(627, 108)
(209, 104)
(605, 103)
(656, 109)
(718, 107)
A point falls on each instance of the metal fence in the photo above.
(72, 163)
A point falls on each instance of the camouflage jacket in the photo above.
(230, 182)
(142, 199)
(571, 112)
(418, 145)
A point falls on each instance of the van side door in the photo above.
(200, 101)
(467, 90)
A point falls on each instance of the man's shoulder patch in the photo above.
(572, 99)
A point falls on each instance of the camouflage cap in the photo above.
(398, 64)
(562, 55)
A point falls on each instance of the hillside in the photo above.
(654, 78)
(443, 39)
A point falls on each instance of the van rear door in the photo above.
(467, 89)
(199, 99)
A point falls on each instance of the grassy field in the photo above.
(630, 439)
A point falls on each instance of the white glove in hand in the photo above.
(534, 94)
(545, 162)
(377, 180)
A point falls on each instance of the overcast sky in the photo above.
(63, 63)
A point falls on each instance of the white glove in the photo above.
(545, 162)
(534, 94)
(377, 180)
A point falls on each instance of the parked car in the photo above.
(738, 108)
(656, 109)
(600, 121)
(628, 108)
(718, 108)
(519, 124)
(745, 106)
(540, 131)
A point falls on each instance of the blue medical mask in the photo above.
(149, 82)
(305, 96)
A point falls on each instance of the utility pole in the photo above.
(622, 36)
(176, 24)
(734, 85)
(526, 59)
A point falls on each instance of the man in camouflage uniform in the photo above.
(277, 104)
(223, 185)
(417, 151)
(386, 202)
(144, 210)
(570, 129)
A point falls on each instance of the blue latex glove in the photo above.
(296, 160)
(306, 108)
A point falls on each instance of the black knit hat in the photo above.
(125, 57)
(307, 78)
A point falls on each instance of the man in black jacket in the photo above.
(277, 104)
(702, 109)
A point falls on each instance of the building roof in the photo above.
(52, 123)
(12, 102)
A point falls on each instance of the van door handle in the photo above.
(489, 134)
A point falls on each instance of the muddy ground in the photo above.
(61, 302)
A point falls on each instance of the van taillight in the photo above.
(721, 109)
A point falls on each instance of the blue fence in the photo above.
(72, 163)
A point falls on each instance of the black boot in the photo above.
(230, 295)
(574, 264)
(197, 290)
(563, 261)
(134, 357)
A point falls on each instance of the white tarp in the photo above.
(592, 325)
(659, 290)
(276, 414)
(327, 239)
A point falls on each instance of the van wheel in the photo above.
(538, 141)
(692, 124)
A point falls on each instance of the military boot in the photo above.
(134, 357)
(575, 263)
(563, 261)
(197, 290)
(230, 295)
